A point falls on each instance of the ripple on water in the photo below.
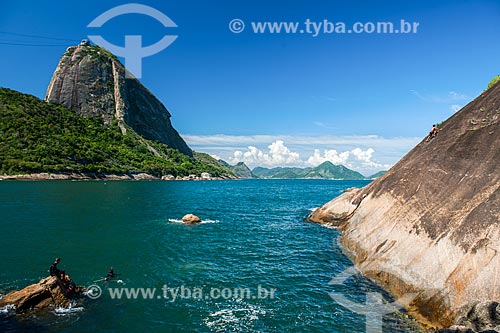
(237, 316)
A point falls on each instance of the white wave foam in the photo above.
(313, 209)
(209, 221)
(61, 311)
(202, 221)
(8, 308)
(224, 319)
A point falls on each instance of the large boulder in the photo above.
(430, 226)
(190, 219)
(48, 291)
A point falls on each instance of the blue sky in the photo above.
(358, 99)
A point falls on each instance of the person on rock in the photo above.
(432, 133)
(54, 271)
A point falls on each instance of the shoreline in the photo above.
(138, 176)
(94, 176)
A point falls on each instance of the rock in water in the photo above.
(47, 291)
(91, 81)
(190, 219)
(430, 225)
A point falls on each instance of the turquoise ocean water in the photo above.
(253, 234)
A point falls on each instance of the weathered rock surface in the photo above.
(190, 219)
(92, 82)
(430, 225)
(480, 317)
(46, 292)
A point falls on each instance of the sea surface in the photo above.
(253, 238)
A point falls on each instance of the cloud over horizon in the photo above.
(277, 155)
(454, 99)
(366, 154)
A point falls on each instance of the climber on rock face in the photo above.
(432, 133)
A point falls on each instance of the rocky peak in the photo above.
(91, 81)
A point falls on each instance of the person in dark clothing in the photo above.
(54, 271)
(110, 275)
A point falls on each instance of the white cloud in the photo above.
(232, 142)
(302, 151)
(356, 158)
(451, 97)
(365, 157)
(454, 96)
(278, 155)
(455, 107)
(324, 125)
(217, 157)
(328, 155)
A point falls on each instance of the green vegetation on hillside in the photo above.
(36, 136)
(493, 81)
(241, 170)
(96, 52)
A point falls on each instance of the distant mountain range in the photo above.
(326, 170)
(240, 170)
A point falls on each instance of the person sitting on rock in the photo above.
(54, 271)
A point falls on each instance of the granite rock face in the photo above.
(431, 225)
(91, 81)
(46, 292)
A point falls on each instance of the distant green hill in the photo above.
(36, 136)
(240, 170)
(326, 170)
(280, 172)
(378, 174)
(331, 171)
